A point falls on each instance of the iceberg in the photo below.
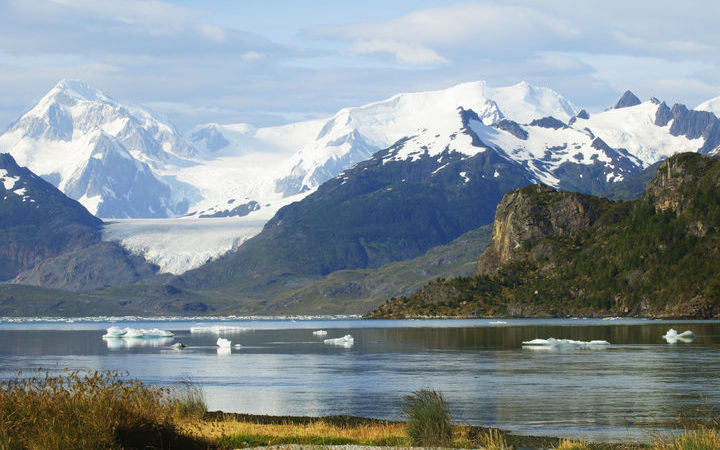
(223, 343)
(135, 333)
(117, 344)
(497, 322)
(320, 333)
(223, 351)
(217, 329)
(346, 341)
(672, 336)
(178, 346)
(114, 332)
(552, 343)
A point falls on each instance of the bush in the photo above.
(100, 410)
(189, 399)
(428, 420)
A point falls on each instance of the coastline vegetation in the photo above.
(108, 410)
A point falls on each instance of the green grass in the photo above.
(428, 419)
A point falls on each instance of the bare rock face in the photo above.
(532, 213)
(668, 189)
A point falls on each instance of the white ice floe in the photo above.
(672, 336)
(222, 351)
(217, 329)
(223, 343)
(117, 344)
(346, 341)
(178, 346)
(114, 332)
(497, 322)
(552, 343)
(236, 346)
(135, 333)
(320, 333)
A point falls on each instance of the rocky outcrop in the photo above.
(627, 99)
(532, 213)
(669, 188)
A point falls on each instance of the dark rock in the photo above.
(627, 99)
(663, 116)
(548, 122)
(238, 211)
(513, 128)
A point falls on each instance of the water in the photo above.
(619, 393)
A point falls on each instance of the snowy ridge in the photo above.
(353, 134)
(712, 105)
(97, 150)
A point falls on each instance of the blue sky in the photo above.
(277, 61)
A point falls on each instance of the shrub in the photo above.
(100, 410)
(188, 399)
(702, 439)
(428, 420)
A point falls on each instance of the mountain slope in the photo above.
(37, 221)
(656, 256)
(100, 152)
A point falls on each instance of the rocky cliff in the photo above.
(534, 212)
(564, 254)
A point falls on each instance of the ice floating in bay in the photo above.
(346, 341)
(217, 329)
(612, 318)
(553, 343)
(114, 332)
(223, 343)
(672, 336)
(320, 333)
(223, 351)
(498, 322)
(135, 333)
(237, 346)
(178, 346)
(117, 344)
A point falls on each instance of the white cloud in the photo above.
(403, 52)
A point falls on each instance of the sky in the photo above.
(279, 61)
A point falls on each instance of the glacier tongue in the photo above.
(178, 245)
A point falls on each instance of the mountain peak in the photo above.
(627, 99)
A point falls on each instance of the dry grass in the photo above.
(700, 439)
(569, 444)
(102, 409)
(229, 431)
(230, 426)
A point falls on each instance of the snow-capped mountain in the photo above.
(354, 134)
(107, 155)
(712, 105)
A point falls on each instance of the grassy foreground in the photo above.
(106, 410)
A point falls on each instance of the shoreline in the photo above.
(512, 439)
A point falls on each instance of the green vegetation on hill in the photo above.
(656, 256)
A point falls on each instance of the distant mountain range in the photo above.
(368, 187)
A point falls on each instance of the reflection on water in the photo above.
(614, 392)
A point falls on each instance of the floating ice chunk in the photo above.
(320, 333)
(114, 332)
(178, 346)
(612, 318)
(223, 351)
(237, 346)
(217, 329)
(498, 322)
(135, 333)
(156, 332)
(223, 343)
(346, 341)
(553, 343)
(116, 344)
(672, 336)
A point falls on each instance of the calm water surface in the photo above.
(618, 393)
